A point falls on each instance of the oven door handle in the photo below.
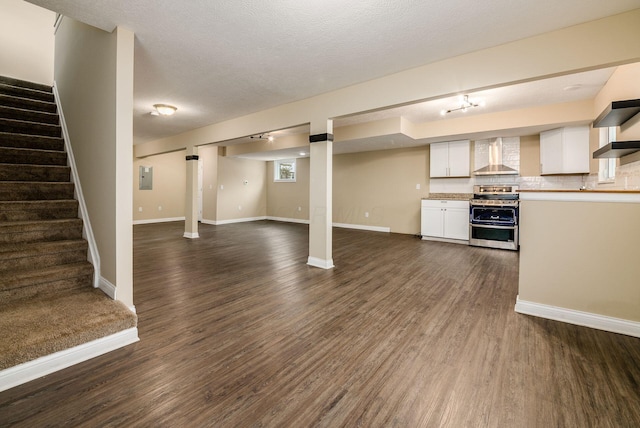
(494, 227)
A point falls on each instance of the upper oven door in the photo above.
(494, 215)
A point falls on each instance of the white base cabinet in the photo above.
(445, 220)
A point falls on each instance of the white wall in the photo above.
(26, 41)
(94, 77)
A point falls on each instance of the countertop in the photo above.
(564, 195)
(450, 196)
(575, 191)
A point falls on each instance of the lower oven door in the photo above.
(492, 215)
(504, 237)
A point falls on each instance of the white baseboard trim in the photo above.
(288, 220)
(298, 220)
(93, 256)
(586, 319)
(25, 372)
(363, 227)
(449, 240)
(234, 220)
(191, 235)
(158, 220)
(111, 290)
(320, 263)
(107, 287)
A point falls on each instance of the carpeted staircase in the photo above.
(47, 299)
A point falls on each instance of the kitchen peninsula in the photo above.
(579, 258)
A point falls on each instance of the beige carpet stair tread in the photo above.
(35, 248)
(37, 224)
(22, 278)
(37, 327)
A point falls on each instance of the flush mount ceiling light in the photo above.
(572, 87)
(163, 110)
(263, 137)
(465, 104)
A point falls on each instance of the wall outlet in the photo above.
(239, 207)
(139, 209)
(210, 186)
(159, 207)
(366, 214)
(222, 187)
(299, 208)
(418, 186)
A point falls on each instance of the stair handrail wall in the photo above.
(87, 232)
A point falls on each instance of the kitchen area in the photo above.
(545, 196)
(488, 217)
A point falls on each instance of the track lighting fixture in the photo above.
(267, 137)
(465, 104)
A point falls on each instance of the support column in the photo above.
(191, 196)
(321, 195)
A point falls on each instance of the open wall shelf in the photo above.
(617, 113)
(617, 149)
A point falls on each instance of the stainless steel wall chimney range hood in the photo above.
(495, 167)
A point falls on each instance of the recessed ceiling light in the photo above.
(302, 154)
(163, 110)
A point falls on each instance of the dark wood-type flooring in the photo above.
(237, 331)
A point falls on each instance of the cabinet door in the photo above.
(438, 159)
(459, 158)
(456, 223)
(431, 222)
(551, 152)
(575, 150)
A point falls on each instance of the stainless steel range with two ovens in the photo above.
(493, 217)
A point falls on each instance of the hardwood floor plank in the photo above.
(236, 330)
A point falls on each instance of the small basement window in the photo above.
(285, 170)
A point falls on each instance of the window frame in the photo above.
(277, 176)
(607, 166)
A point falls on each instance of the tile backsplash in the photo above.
(465, 185)
(627, 176)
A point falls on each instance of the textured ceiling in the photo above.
(221, 59)
(562, 89)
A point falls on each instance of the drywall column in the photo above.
(320, 195)
(191, 196)
(124, 43)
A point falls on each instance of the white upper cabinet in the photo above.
(450, 159)
(565, 151)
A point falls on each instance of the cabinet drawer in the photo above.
(444, 203)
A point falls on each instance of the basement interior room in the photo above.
(296, 214)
